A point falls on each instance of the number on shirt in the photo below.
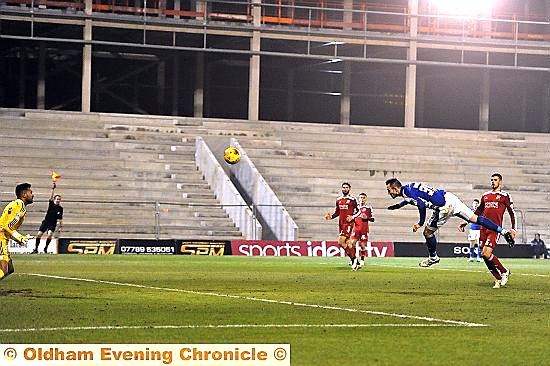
(424, 188)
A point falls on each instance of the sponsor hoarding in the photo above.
(303, 248)
(87, 246)
(406, 249)
(203, 247)
(143, 246)
(16, 248)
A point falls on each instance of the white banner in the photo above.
(144, 354)
(16, 248)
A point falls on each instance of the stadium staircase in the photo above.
(134, 159)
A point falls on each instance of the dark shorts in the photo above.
(45, 226)
(346, 229)
(488, 238)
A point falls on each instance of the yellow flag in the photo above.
(55, 176)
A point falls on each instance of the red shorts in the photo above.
(346, 229)
(488, 238)
(359, 234)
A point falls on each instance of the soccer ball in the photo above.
(231, 155)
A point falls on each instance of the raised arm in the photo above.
(53, 191)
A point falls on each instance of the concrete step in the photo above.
(113, 165)
(86, 184)
(101, 144)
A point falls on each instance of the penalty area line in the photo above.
(223, 326)
(324, 307)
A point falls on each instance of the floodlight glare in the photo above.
(463, 7)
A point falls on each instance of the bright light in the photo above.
(464, 7)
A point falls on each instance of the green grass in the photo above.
(517, 317)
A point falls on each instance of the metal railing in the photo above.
(165, 219)
(225, 191)
(365, 17)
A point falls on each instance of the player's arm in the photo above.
(336, 213)
(418, 202)
(480, 208)
(511, 212)
(354, 216)
(53, 191)
(422, 211)
(370, 215)
(9, 220)
(398, 205)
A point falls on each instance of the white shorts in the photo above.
(473, 235)
(453, 207)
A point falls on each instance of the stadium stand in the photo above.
(306, 163)
(115, 168)
(139, 159)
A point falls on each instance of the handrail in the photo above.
(319, 20)
(279, 220)
(226, 192)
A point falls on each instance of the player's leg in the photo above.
(488, 224)
(489, 255)
(472, 250)
(351, 246)
(49, 235)
(477, 244)
(3, 269)
(345, 242)
(486, 254)
(10, 267)
(431, 243)
(342, 241)
(438, 219)
(492, 262)
(466, 213)
(362, 251)
(4, 259)
(38, 237)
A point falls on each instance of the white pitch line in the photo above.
(454, 270)
(221, 326)
(403, 316)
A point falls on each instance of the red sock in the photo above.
(492, 268)
(496, 274)
(493, 258)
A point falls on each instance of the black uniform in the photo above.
(55, 212)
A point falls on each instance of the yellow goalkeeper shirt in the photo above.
(12, 218)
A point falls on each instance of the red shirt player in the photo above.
(492, 206)
(361, 228)
(346, 206)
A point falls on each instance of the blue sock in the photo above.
(478, 252)
(471, 252)
(488, 224)
(432, 244)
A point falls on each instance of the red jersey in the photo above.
(362, 218)
(493, 204)
(345, 206)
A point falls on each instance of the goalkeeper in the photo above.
(12, 218)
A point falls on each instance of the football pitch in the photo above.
(391, 312)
